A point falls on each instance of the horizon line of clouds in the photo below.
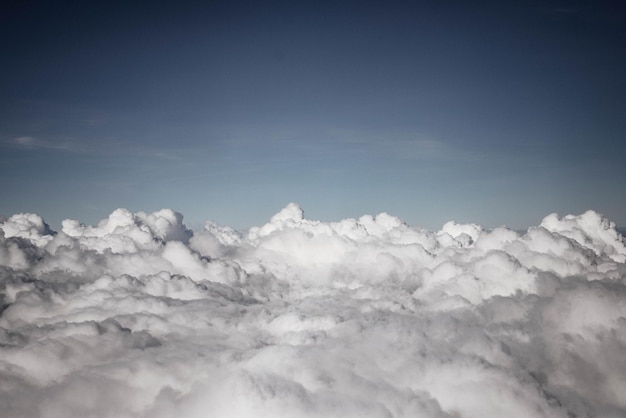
(290, 207)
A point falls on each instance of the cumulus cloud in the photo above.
(138, 316)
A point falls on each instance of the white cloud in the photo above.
(140, 317)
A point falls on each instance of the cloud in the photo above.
(95, 146)
(30, 143)
(138, 316)
(26, 141)
(397, 145)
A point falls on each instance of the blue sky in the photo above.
(226, 111)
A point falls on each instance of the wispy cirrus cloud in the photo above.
(400, 145)
(31, 143)
(103, 147)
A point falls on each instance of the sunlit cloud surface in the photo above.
(139, 316)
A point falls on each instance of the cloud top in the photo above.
(138, 316)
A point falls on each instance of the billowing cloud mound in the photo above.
(140, 317)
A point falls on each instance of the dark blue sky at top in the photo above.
(489, 112)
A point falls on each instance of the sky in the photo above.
(491, 112)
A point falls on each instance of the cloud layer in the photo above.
(139, 316)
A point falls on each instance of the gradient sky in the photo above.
(484, 111)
